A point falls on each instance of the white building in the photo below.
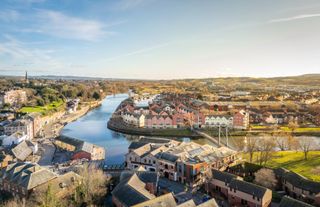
(22, 125)
(219, 120)
(14, 138)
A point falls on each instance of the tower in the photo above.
(26, 77)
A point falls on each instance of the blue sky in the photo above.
(160, 39)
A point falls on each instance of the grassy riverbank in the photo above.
(295, 162)
(52, 107)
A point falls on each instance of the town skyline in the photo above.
(133, 39)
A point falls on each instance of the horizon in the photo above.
(159, 40)
(44, 76)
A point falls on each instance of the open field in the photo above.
(42, 109)
(295, 162)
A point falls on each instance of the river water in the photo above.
(92, 128)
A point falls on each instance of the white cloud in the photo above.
(298, 17)
(20, 52)
(9, 15)
(58, 24)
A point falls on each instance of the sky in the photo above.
(160, 39)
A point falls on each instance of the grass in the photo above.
(295, 162)
(42, 109)
(305, 129)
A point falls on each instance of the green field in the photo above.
(295, 162)
(307, 129)
(42, 109)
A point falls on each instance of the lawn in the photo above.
(307, 129)
(42, 109)
(295, 162)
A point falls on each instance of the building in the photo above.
(80, 149)
(185, 162)
(61, 186)
(22, 151)
(287, 201)
(219, 120)
(13, 97)
(20, 125)
(20, 178)
(299, 187)
(134, 189)
(237, 191)
(168, 200)
(35, 118)
(241, 120)
(13, 139)
(5, 159)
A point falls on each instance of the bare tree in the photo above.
(265, 148)
(251, 146)
(293, 125)
(305, 144)
(266, 178)
(92, 189)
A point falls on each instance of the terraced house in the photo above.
(237, 191)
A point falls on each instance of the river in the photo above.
(92, 128)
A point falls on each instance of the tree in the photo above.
(265, 177)
(96, 95)
(14, 203)
(265, 147)
(293, 125)
(92, 189)
(251, 146)
(306, 144)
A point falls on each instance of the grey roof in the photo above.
(27, 175)
(136, 145)
(223, 176)
(248, 188)
(131, 191)
(22, 151)
(167, 156)
(290, 202)
(210, 203)
(299, 181)
(166, 200)
(144, 176)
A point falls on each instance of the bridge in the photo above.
(215, 140)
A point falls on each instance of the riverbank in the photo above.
(116, 124)
(119, 126)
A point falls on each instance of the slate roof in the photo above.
(27, 175)
(22, 151)
(290, 202)
(189, 203)
(210, 203)
(144, 176)
(167, 156)
(166, 200)
(299, 181)
(136, 145)
(223, 176)
(131, 191)
(248, 188)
